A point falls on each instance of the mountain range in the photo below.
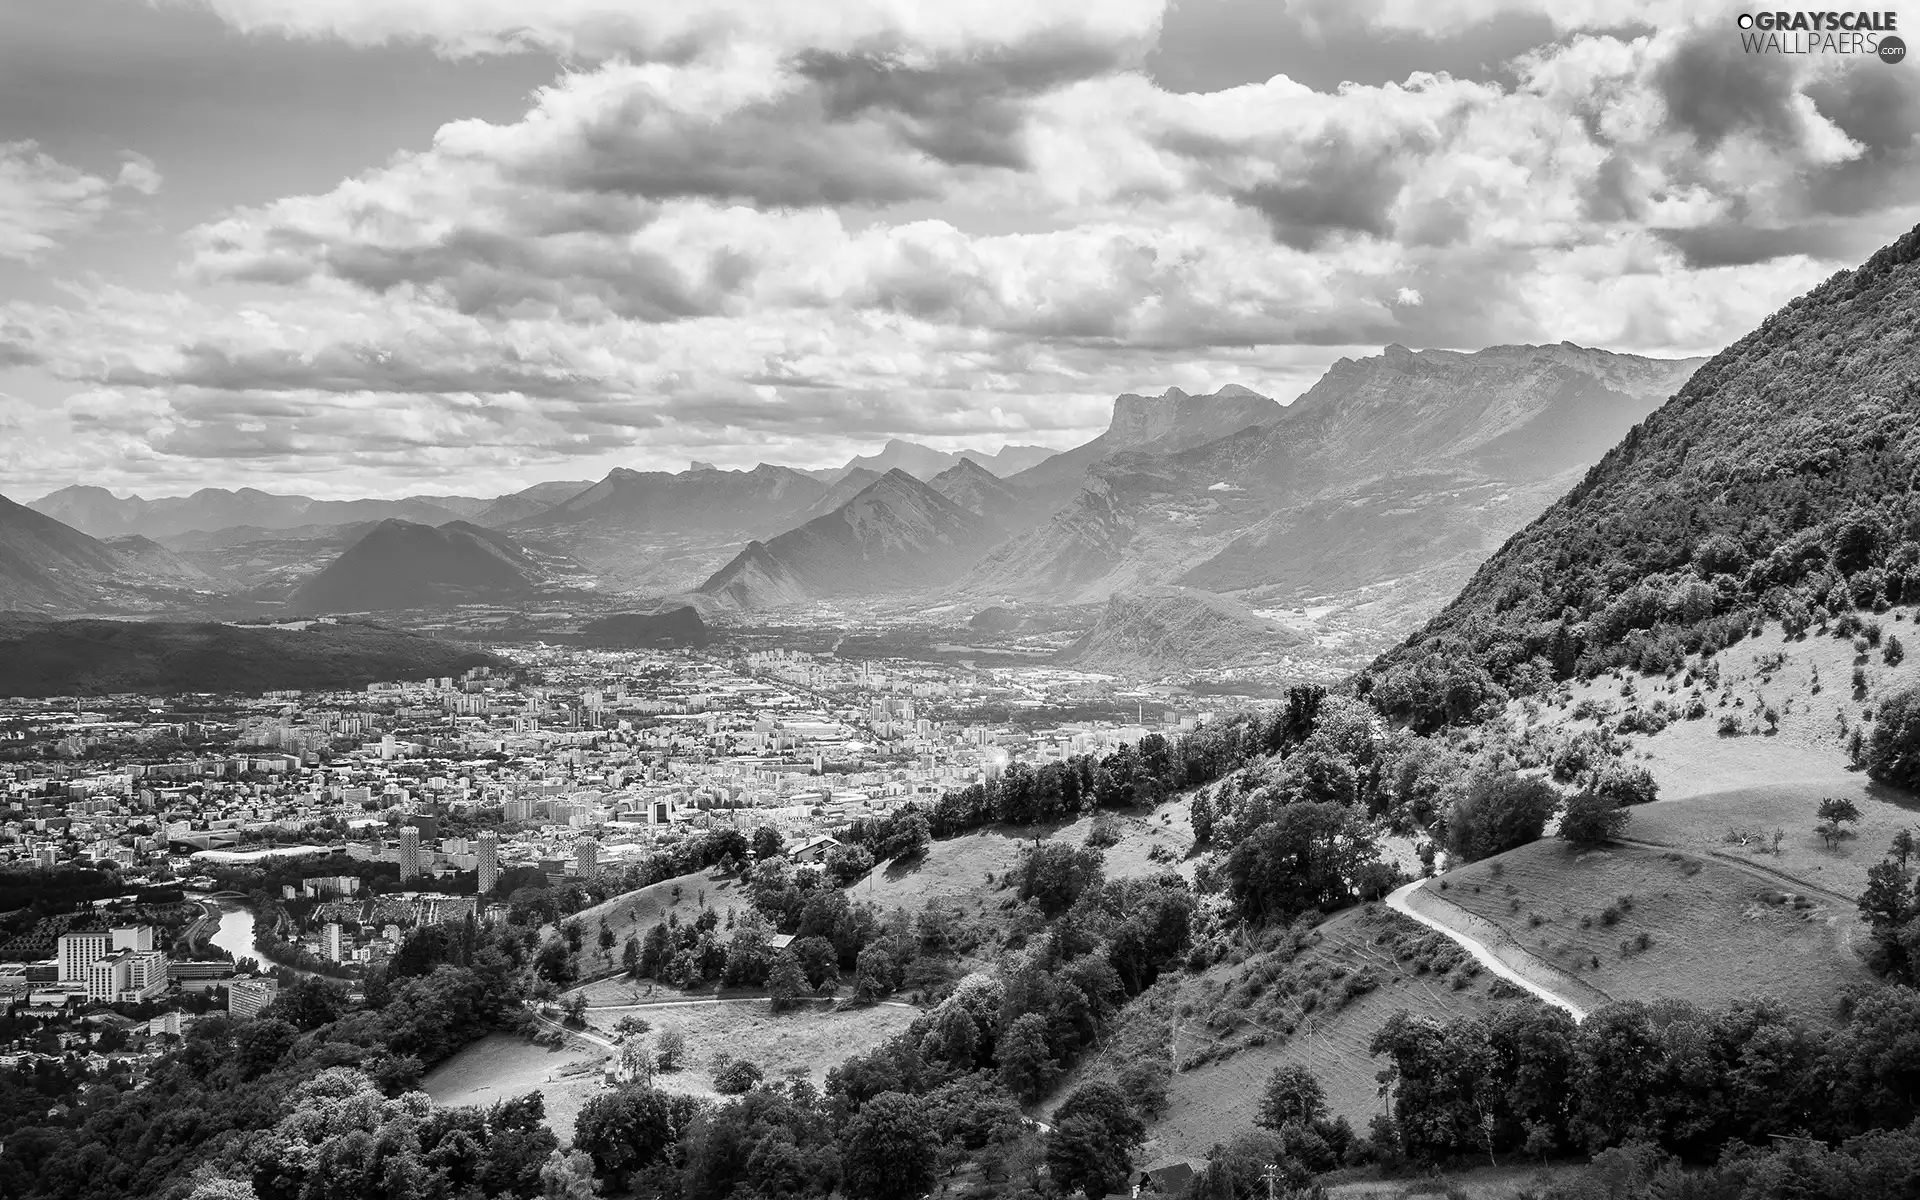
(1389, 466)
(1384, 485)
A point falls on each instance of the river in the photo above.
(235, 934)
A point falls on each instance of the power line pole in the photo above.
(1272, 1175)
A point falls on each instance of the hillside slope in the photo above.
(48, 566)
(1778, 479)
(1163, 631)
(91, 657)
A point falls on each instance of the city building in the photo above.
(330, 941)
(246, 997)
(489, 862)
(586, 858)
(78, 951)
(409, 852)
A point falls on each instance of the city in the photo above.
(439, 798)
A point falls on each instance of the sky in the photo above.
(383, 247)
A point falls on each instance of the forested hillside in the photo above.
(1777, 483)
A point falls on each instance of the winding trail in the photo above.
(1487, 956)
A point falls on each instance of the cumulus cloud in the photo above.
(675, 30)
(737, 242)
(44, 201)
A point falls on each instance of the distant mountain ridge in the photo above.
(401, 564)
(97, 511)
(924, 462)
(897, 534)
(1386, 466)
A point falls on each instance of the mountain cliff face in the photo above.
(1387, 466)
(1165, 423)
(403, 565)
(898, 534)
(1778, 479)
(1169, 631)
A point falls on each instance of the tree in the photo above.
(889, 1149)
(786, 982)
(566, 1177)
(873, 974)
(908, 838)
(1094, 1134)
(574, 934)
(1027, 1065)
(767, 843)
(818, 960)
(1893, 750)
(624, 1131)
(847, 865)
(670, 1047)
(630, 957)
(1836, 813)
(1498, 812)
(1306, 857)
(1292, 1096)
(1592, 819)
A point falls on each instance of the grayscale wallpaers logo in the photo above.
(1823, 33)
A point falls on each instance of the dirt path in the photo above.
(1496, 951)
(1768, 874)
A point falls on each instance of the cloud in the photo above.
(44, 201)
(674, 30)
(951, 223)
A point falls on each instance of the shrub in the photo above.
(1627, 785)
(1498, 812)
(1592, 819)
(1730, 726)
(735, 1076)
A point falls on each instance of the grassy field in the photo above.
(1229, 1028)
(1638, 924)
(500, 1066)
(814, 1040)
(1717, 791)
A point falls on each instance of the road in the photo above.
(1397, 901)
